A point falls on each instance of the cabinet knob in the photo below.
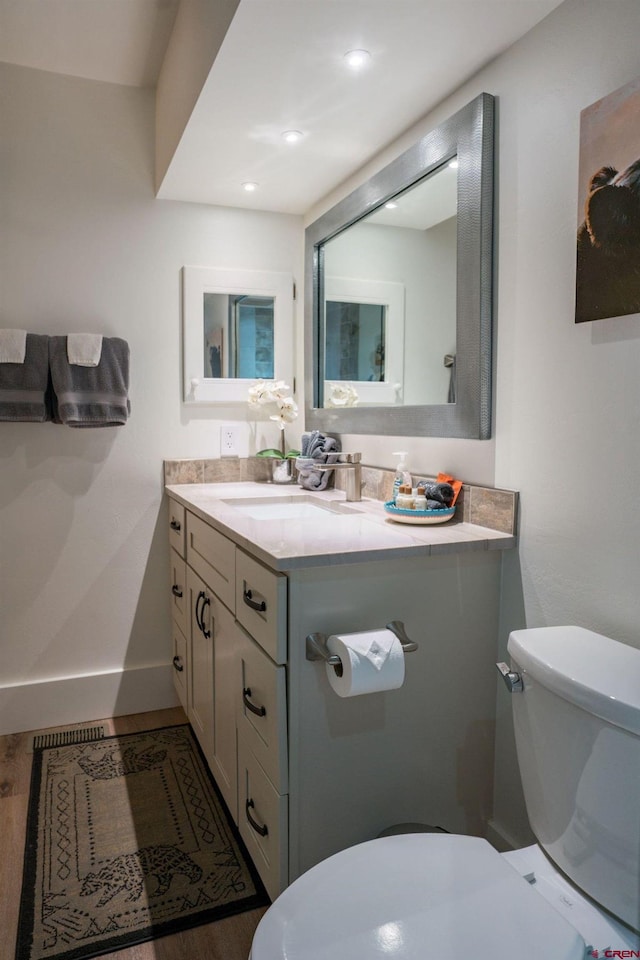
(175, 525)
(177, 664)
(176, 591)
(259, 605)
(262, 829)
(259, 711)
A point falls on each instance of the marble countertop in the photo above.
(343, 533)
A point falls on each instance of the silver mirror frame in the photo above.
(469, 135)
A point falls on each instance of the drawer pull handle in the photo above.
(197, 611)
(259, 711)
(175, 525)
(177, 663)
(259, 605)
(205, 603)
(261, 829)
(176, 591)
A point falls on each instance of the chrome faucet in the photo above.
(350, 462)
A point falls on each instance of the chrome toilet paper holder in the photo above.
(316, 645)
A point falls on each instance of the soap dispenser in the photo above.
(402, 477)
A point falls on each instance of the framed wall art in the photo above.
(608, 241)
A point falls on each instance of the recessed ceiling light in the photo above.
(249, 186)
(292, 136)
(454, 163)
(391, 205)
(357, 59)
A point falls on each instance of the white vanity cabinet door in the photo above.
(213, 681)
(178, 585)
(263, 816)
(180, 664)
(261, 605)
(262, 710)
(177, 526)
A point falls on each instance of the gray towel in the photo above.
(321, 449)
(443, 493)
(90, 396)
(24, 393)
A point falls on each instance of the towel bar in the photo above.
(316, 644)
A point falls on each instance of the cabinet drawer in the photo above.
(263, 821)
(179, 654)
(261, 605)
(176, 526)
(178, 584)
(262, 711)
(213, 557)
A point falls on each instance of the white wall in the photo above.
(87, 247)
(567, 413)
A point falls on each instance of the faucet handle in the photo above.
(349, 457)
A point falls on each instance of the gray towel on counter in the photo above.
(90, 396)
(440, 493)
(321, 449)
(24, 387)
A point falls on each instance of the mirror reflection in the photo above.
(389, 306)
(238, 334)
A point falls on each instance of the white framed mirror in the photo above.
(364, 339)
(237, 328)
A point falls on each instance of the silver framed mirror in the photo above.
(358, 379)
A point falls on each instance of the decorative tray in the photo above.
(418, 516)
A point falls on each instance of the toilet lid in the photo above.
(410, 897)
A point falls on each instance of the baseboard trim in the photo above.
(499, 838)
(56, 702)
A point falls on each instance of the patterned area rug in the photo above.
(127, 840)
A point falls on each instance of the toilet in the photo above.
(573, 895)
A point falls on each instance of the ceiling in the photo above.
(280, 66)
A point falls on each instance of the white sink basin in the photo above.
(287, 508)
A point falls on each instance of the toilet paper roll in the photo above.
(371, 661)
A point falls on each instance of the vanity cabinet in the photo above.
(230, 677)
(313, 772)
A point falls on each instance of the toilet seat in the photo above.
(412, 896)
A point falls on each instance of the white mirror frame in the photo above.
(196, 281)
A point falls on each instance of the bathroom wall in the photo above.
(567, 412)
(86, 247)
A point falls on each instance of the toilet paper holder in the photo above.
(316, 645)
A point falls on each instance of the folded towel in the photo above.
(442, 492)
(320, 449)
(24, 387)
(13, 345)
(90, 396)
(84, 349)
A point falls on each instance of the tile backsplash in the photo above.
(482, 506)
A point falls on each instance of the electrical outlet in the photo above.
(229, 440)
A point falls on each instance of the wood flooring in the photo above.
(228, 939)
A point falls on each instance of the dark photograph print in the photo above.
(608, 245)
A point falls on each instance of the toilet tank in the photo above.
(577, 728)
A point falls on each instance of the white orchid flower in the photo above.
(275, 392)
(341, 395)
(267, 391)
